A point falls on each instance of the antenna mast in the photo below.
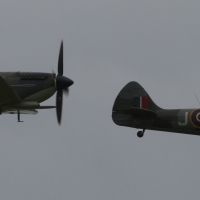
(197, 99)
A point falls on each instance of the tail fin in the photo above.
(131, 101)
(133, 95)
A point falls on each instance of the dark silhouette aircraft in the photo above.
(22, 92)
(134, 108)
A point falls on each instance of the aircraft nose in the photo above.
(70, 82)
(63, 82)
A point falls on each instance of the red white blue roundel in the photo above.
(195, 118)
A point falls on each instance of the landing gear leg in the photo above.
(18, 116)
(140, 133)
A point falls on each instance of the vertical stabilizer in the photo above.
(133, 95)
(131, 101)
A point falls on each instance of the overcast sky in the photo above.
(107, 43)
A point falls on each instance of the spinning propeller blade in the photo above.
(62, 85)
(59, 97)
(60, 60)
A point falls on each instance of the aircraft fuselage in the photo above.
(134, 108)
(31, 86)
(176, 120)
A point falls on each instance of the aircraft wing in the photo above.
(12, 111)
(7, 95)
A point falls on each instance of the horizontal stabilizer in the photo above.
(139, 112)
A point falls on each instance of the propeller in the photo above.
(62, 85)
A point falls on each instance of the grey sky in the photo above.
(107, 43)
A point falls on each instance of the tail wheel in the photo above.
(140, 133)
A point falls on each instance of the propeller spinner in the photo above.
(62, 85)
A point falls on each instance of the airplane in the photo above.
(22, 92)
(134, 108)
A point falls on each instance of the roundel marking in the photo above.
(195, 118)
(198, 117)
